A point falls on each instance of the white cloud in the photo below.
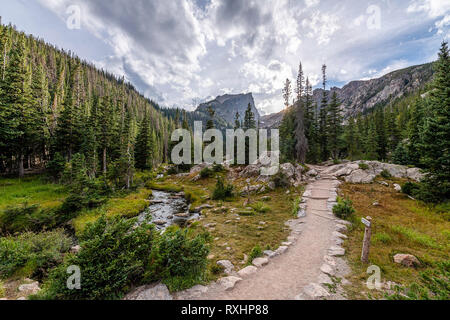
(434, 8)
(178, 52)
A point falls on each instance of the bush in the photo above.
(56, 166)
(386, 174)
(344, 209)
(218, 168)
(363, 166)
(114, 255)
(222, 191)
(32, 254)
(179, 260)
(255, 253)
(280, 180)
(260, 207)
(206, 173)
(296, 206)
(401, 155)
(410, 188)
(432, 285)
(26, 217)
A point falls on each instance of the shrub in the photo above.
(386, 174)
(206, 173)
(56, 166)
(114, 254)
(179, 260)
(222, 191)
(432, 285)
(280, 180)
(216, 269)
(410, 188)
(255, 253)
(363, 166)
(296, 206)
(26, 217)
(343, 209)
(260, 207)
(2, 290)
(32, 254)
(218, 168)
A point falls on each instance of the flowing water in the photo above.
(167, 209)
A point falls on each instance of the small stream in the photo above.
(167, 209)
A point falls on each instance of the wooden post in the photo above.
(366, 243)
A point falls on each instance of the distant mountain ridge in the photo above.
(363, 95)
(226, 107)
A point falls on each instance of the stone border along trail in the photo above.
(305, 268)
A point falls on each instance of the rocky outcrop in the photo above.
(367, 171)
(228, 105)
(151, 292)
(407, 260)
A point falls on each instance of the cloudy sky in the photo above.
(181, 52)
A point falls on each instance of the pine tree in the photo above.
(323, 117)
(301, 142)
(334, 126)
(249, 118)
(300, 79)
(237, 122)
(436, 133)
(287, 91)
(210, 122)
(143, 150)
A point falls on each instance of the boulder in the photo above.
(151, 292)
(281, 250)
(360, 176)
(315, 291)
(228, 283)
(75, 249)
(247, 271)
(327, 269)
(30, 288)
(407, 260)
(227, 265)
(312, 173)
(397, 187)
(336, 251)
(415, 174)
(259, 262)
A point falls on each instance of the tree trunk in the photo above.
(21, 170)
(104, 160)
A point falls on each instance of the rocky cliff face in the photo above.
(227, 105)
(361, 96)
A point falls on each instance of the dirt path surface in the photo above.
(296, 273)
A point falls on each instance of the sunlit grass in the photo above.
(32, 190)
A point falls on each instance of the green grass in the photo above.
(260, 207)
(415, 236)
(128, 206)
(2, 289)
(399, 225)
(31, 190)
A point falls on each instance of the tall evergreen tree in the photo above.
(143, 149)
(334, 126)
(323, 115)
(436, 133)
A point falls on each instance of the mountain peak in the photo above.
(227, 105)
